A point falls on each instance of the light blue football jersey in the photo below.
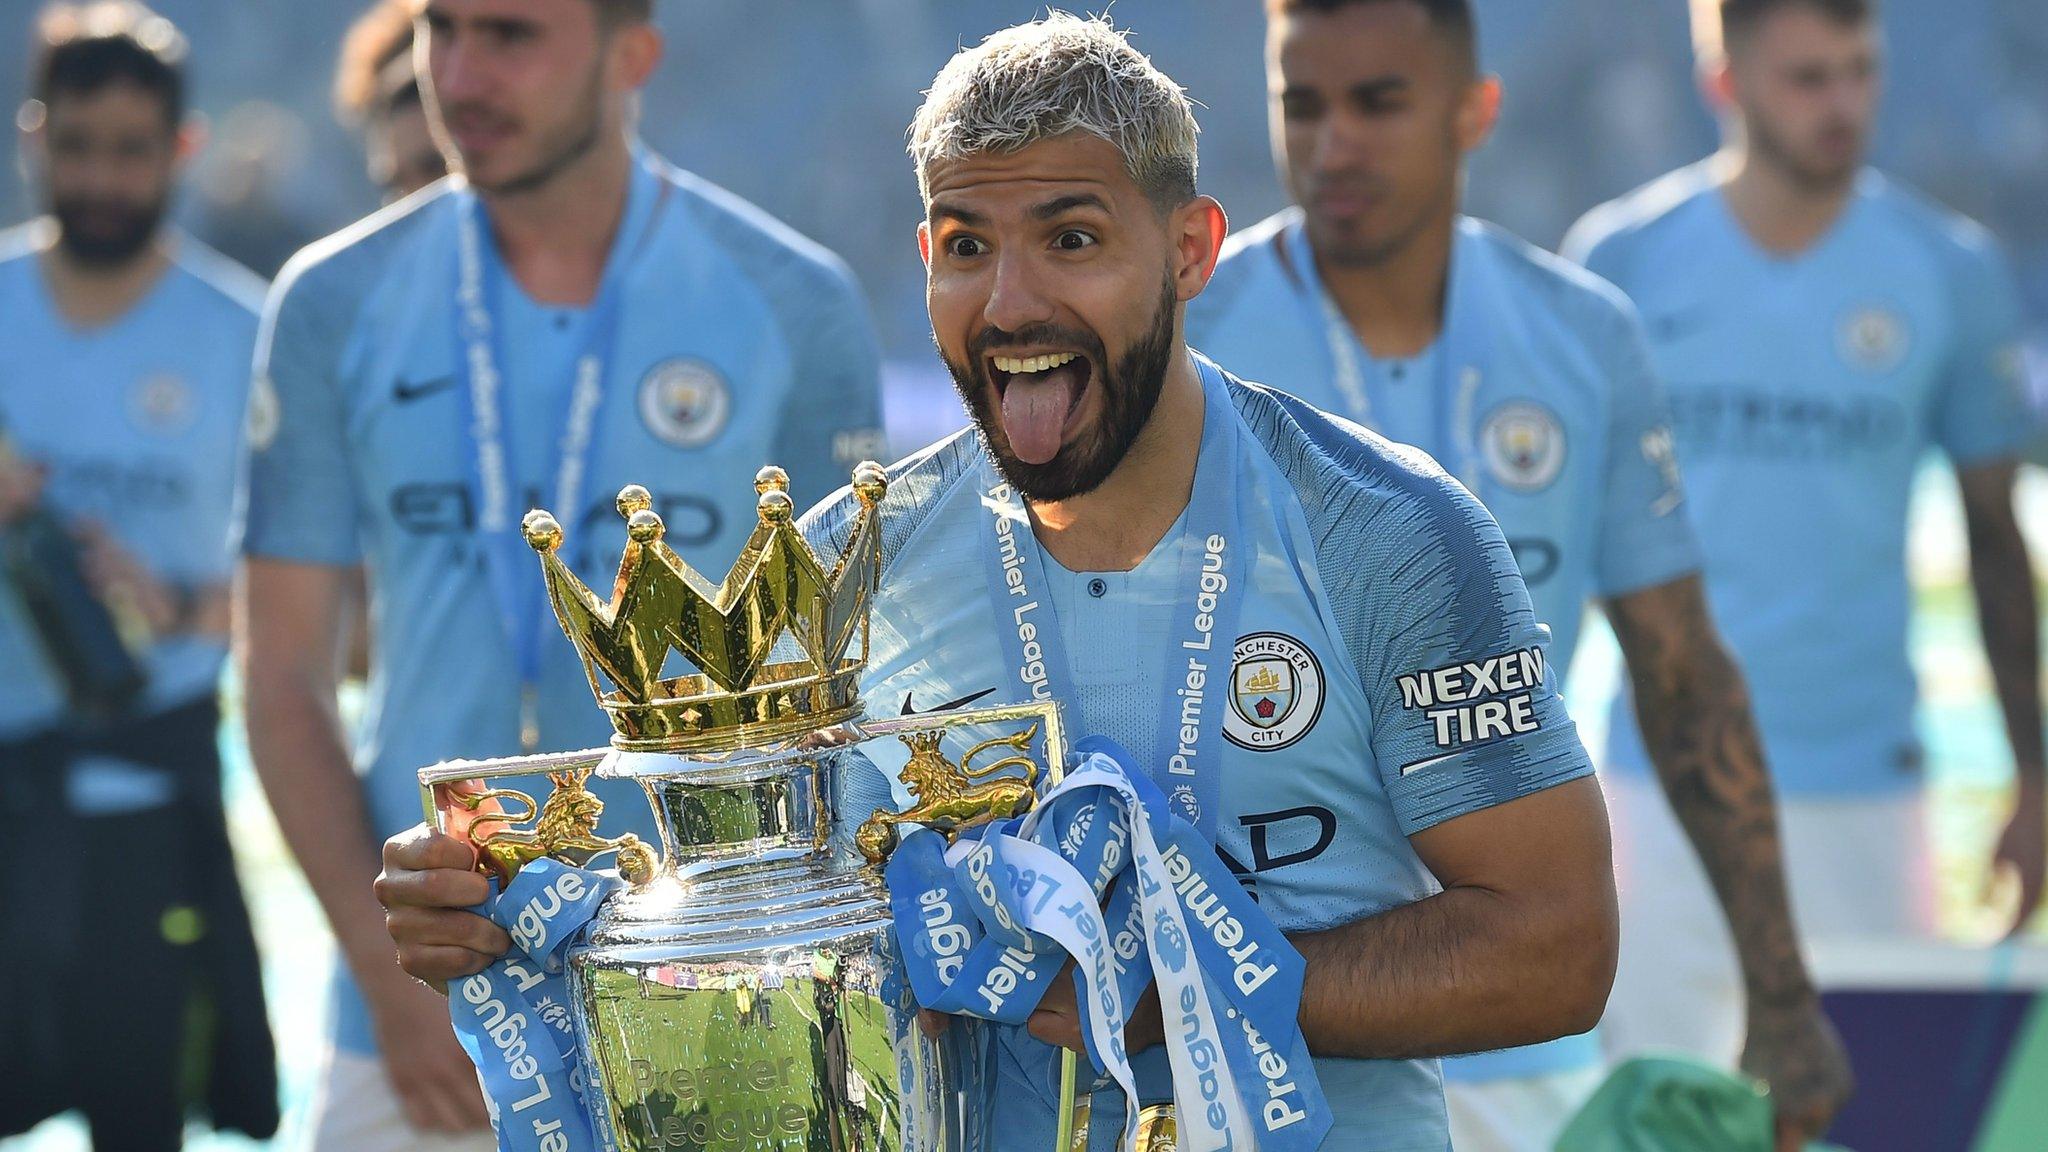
(1374, 580)
(1806, 392)
(139, 421)
(738, 344)
(1538, 396)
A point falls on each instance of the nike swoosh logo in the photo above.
(948, 706)
(1419, 765)
(406, 391)
(1680, 324)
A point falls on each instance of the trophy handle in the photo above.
(460, 799)
(955, 796)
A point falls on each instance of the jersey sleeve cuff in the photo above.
(1654, 564)
(2008, 443)
(1480, 778)
(298, 548)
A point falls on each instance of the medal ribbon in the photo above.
(1104, 871)
(508, 562)
(514, 1020)
(1215, 565)
(1457, 376)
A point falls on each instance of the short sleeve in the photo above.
(298, 500)
(1982, 412)
(1465, 709)
(214, 519)
(833, 420)
(1645, 538)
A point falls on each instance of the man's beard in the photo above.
(106, 235)
(1130, 390)
(1812, 177)
(1368, 253)
(1333, 249)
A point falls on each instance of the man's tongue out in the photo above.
(1035, 408)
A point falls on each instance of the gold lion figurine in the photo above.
(565, 828)
(948, 797)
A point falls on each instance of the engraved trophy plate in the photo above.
(743, 992)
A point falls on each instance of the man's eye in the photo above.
(964, 246)
(1073, 240)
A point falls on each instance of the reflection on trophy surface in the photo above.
(744, 991)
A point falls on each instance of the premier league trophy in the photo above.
(741, 988)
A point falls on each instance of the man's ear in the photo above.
(636, 50)
(1479, 112)
(924, 242)
(1199, 228)
(192, 137)
(1717, 84)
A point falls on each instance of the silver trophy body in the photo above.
(749, 995)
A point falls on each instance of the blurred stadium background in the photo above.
(800, 106)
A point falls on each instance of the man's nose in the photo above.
(1017, 297)
(459, 72)
(1338, 145)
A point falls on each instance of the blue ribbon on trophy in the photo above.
(513, 1018)
(1104, 871)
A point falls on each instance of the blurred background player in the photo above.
(1819, 328)
(1529, 380)
(579, 317)
(124, 350)
(377, 94)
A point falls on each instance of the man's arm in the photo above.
(1518, 948)
(1694, 711)
(2002, 576)
(289, 624)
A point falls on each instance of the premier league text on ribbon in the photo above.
(1208, 909)
(1105, 872)
(1033, 672)
(1192, 695)
(512, 1017)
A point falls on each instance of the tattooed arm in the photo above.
(2003, 579)
(1694, 711)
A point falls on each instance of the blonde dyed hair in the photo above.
(1053, 77)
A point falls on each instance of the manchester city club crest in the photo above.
(1276, 692)
(684, 402)
(265, 416)
(1873, 338)
(163, 404)
(1524, 446)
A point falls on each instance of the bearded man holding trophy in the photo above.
(1331, 822)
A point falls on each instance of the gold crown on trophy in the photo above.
(741, 695)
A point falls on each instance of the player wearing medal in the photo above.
(1529, 381)
(576, 315)
(1315, 640)
(124, 354)
(1820, 328)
